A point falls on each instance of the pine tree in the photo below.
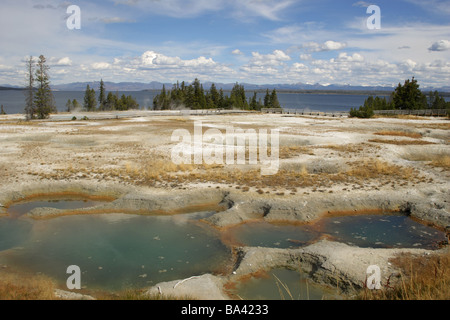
(222, 102)
(274, 100)
(111, 101)
(202, 98)
(267, 100)
(44, 101)
(75, 105)
(238, 98)
(409, 96)
(253, 105)
(69, 106)
(215, 96)
(90, 102)
(29, 93)
(131, 103)
(436, 101)
(102, 96)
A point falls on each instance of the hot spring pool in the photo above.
(282, 284)
(366, 230)
(114, 251)
(68, 203)
(119, 251)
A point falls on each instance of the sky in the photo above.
(245, 41)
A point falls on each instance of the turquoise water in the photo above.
(264, 234)
(282, 284)
(382, 231)
(374, 231)
(13, 232)
(117, 251)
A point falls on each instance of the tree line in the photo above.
(405, 97)
(194, 96)
(40, 102)
(110, 102)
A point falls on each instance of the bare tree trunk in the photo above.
(29, 94)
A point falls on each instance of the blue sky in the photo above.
(254, 41)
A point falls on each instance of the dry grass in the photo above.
(371, 169)
(442, 162)
(437, 126)
(288, 152)
(402, 142)
(168, 173)
(439, 158)
(413, 135)
(15, 287)
(347, 148)
(161, 172)
(400, 116)
(140, 295)
(423, 278)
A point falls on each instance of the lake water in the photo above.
(13, 101)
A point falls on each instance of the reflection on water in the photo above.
(118, 251)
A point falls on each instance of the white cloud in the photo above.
(154, 60)
(5, 68)
(305, 56)
(159, 67)
(326, 46)
(237, 52)
(408, 65)
(299, 67)
(63, 62)
(343, 57)
(277, 58)
(100, 65)
(273, 65)
(442, 45)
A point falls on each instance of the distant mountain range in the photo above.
(8, 87)
(139, 86)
